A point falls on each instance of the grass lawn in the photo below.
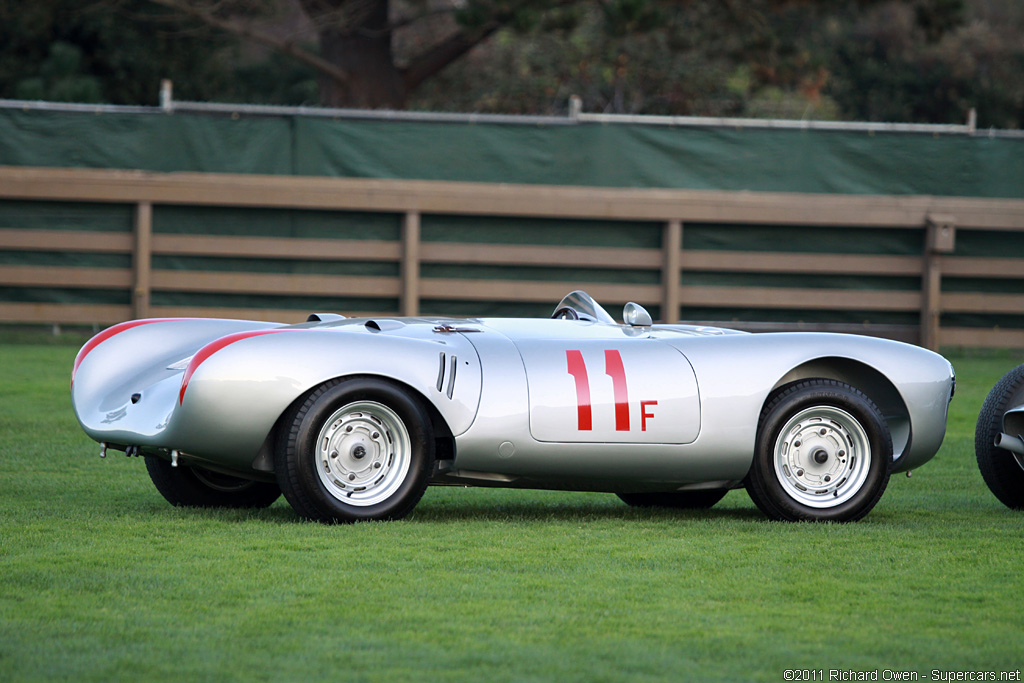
(101, 579)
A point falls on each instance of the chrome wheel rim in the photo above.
(822, 457)
(363, 453)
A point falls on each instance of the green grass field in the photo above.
(101, 579)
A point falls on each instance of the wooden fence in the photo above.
(940, 220)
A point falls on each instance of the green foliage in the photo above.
(632, 56)
(938, 17)
(60, 78)
(897, 63)
(102, 580)
(624, 17)
(118, 51)
(878, 60)
(914, 61)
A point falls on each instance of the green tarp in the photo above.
(589, 154)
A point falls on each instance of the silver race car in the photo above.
(999, 439)
(352, 418)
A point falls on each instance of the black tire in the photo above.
(999, 468)
(377, 456)
(820, 418)
(195, 487)
(679, 500)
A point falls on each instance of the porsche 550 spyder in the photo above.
(352, 418)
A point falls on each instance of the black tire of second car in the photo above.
(999, 468)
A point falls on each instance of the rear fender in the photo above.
(236, 395)
(135, 359)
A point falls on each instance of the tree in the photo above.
(929, 62)
(356, 61)
(56, 50)
(376, 53)
(895, 60)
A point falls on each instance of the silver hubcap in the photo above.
(822, 457)
(363, 453)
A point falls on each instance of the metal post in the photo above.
(142, 255)
(672, 243)
(167, 95)
(410, 299)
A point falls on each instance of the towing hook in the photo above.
(103, 449)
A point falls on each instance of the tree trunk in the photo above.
(364, 53)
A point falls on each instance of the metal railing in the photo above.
(575, 116)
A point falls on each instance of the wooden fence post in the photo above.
(939, 239)
(409, 303)
(142, 255)
(672, 244)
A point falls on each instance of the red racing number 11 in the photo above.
(613, 368)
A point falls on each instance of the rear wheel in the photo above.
(1002, 470)
(680, 500)
(824, 453)
(355, 449)
(186, 486)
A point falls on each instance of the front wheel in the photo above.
(186, 486)
(355, 449)
(1002, 470)
(824, 453)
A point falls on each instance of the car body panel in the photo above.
(671, 407)
(596, 391)
(235, 397)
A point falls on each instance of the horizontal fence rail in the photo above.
(186, 244)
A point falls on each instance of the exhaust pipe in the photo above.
(1014, 444)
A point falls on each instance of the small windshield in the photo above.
(584, 306)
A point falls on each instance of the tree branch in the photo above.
(438, 56)
(240, 29)
(424, 65)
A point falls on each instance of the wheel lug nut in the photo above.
(376, 465)
(799, 473)
(376, 435)
(351, 477)
(796, 444)
(823, 431)
(349, 428)
(334, 454)
(842, 454)
(827, 479)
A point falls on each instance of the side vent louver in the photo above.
(451, 376)
(441, 363)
